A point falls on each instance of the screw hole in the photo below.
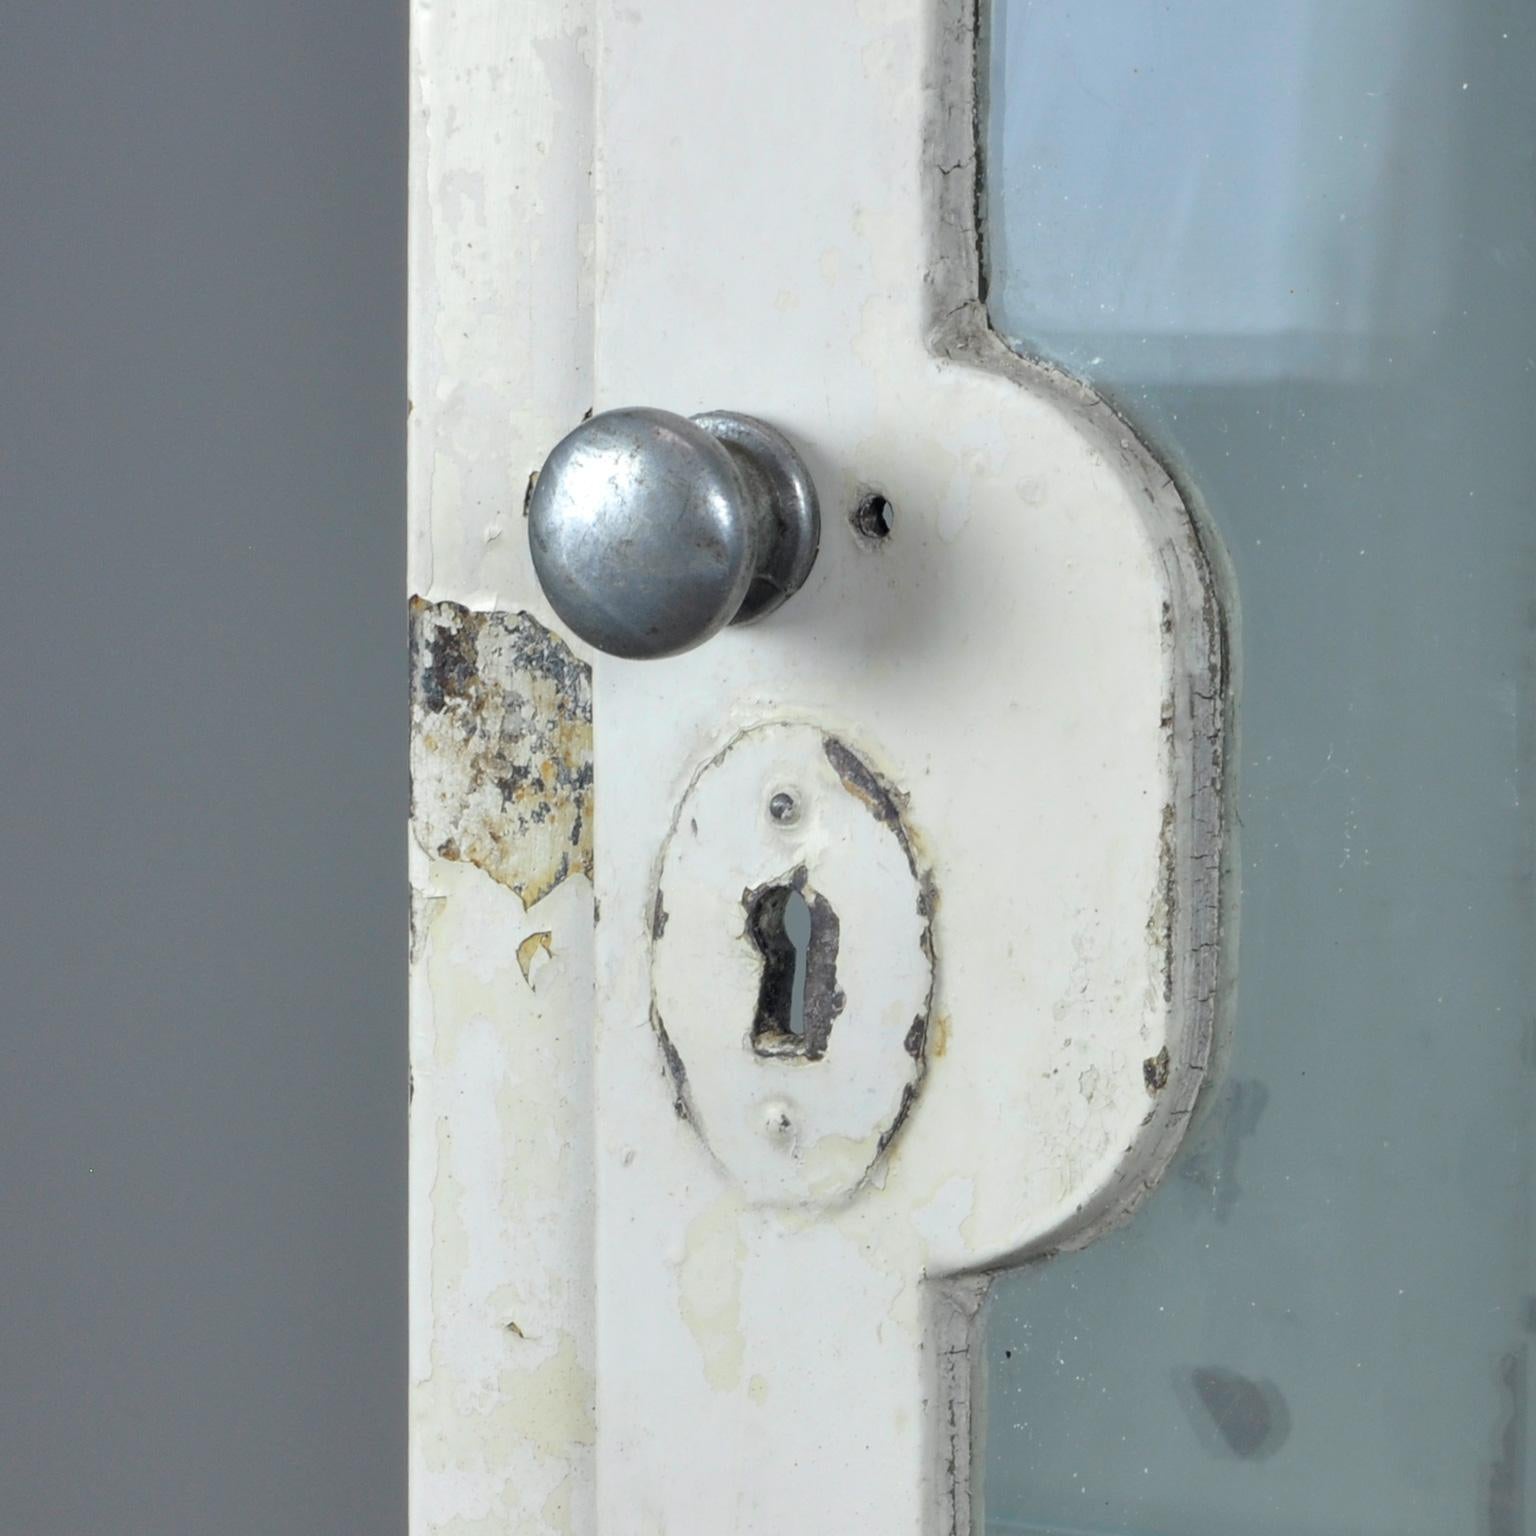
(874, 518)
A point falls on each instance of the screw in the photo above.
(778, 1122)
(783, 808)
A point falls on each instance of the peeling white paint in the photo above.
(501, 1175)
(611, 1332)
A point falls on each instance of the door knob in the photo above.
(651, 532)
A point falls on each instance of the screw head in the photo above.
(778, 1122)
(784, 808)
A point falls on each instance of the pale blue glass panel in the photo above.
(1296, 243)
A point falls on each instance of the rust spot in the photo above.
(501, 746)
(1154, 1071)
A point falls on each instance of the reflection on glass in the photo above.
(1297, 244)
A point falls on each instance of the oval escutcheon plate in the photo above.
(795, 1054)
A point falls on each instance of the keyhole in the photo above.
(797, 929)
(798, 997)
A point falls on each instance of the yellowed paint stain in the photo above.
(938, 1036)
(544, 1408)
(502, 1400)
(834, 1163)
(556, 1509)
(529, 950)
(482, 1435)
(709, 1290)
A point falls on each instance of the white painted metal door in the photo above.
(664, 1277)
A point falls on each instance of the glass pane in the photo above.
(1296, 242)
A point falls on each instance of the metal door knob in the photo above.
(651, 532)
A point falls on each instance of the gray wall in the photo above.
(202, 767)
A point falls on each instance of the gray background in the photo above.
(202, 767)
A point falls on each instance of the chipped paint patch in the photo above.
(501, 746)
(528, 952)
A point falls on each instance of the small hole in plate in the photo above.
(874, 518)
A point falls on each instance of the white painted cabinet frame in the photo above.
(662, 1281)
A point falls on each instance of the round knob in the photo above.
(650, 532)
